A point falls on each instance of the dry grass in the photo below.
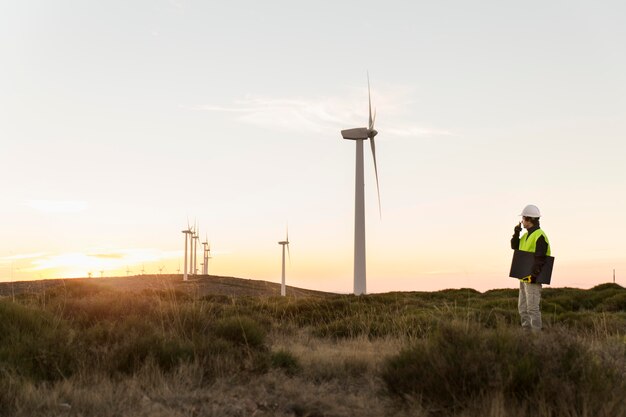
(166, 352)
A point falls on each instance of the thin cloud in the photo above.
(58, 206)
(418, 131)
(107, 255)
(20, 257)
(117, 259)
(323, 114)
(288, 114)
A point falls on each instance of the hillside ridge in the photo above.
(200, 286)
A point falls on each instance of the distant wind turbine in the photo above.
(196, 238)
(205, 258)
(194, 249)
(283, 244)
(208, 256)
(187, 233)
(359, 135)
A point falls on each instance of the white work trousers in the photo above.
(528, 305)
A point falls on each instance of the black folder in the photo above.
(522, 266)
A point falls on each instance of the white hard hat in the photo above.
(531, 211)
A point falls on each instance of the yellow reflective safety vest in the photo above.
(529, 243)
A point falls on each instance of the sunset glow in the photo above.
(120, 126)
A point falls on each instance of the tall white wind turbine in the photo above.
(192, 253)
(196, 238)
(359, 135)
(187, 232)
(284, 243)
(208, 256)
(204, 261)
(207, 251)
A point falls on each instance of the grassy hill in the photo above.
(199, 286)
(154, 346)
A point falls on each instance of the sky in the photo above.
(122, 121)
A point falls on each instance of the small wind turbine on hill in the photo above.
(360, 135)
(187, 233)
(284, 243)
(195, 250)
(207, 250)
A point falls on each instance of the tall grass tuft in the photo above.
(457, 367)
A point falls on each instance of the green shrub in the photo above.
(497, 317)
(616, 302)
(241, 330)
(34, 344)
(286, 361)
(136, 351)
(607, 286)
(457, 367)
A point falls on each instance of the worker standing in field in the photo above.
(536, 241)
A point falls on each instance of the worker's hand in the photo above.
(518, 228)
(526, 279)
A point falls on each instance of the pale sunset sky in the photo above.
(120, 120)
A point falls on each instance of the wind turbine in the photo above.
(187, 232)
(283, 244)
(361, 134)
(196, 238)
(194, 249)
(205, 258)
(208, 256)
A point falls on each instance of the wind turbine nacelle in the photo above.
(359, 133)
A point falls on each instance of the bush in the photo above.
(457, 367)
(138, 350)
(616, 302)
(33, 344)
(286, 361)
(241, 330)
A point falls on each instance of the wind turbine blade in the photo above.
(369, 96)
(374, 120)
(287, 235)
(373, 145)
(288, 254)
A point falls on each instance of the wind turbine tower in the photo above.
(205, 263)
(187, 237)
(284, 243)
(196, 238)
(192, 251)
(359, 135)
